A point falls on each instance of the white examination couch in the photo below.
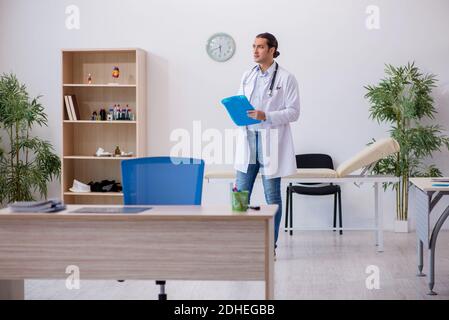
(364, 160)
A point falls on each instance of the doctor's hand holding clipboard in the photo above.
(241, 111)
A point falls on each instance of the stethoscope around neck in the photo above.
(252, 74)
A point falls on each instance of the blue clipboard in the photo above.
(237, 107)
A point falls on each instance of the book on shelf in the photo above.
(75, 107)
(67, 108)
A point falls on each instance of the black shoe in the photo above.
(106, 185)
(95, 186)
(117, 187)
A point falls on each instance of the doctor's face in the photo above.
(261, 52)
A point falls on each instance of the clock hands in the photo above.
(219, 47)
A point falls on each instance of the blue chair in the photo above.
(162, 181)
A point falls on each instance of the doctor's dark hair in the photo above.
(271, 42)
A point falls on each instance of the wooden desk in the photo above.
(427, 196)
(166, 242)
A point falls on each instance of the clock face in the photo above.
(220, 47)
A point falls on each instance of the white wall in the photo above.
(323, 42)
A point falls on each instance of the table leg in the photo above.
(269, 260)
(420, 258)
(378, 214)
(432, 272)
(433, 241)
(12, 289)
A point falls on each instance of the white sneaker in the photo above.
(79, 187)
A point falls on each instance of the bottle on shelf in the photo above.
(111, 114)
(102, 114)
(117, 152)
(119, 112)
(115, 112)
(127, 113)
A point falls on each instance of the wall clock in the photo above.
(220, 47)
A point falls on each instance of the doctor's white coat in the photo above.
(276, 137)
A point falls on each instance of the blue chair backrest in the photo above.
(162, 181)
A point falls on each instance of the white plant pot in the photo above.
(401, 226)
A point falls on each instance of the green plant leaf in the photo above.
(404, 99)
(27, 163)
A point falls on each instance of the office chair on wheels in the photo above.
(162, 181)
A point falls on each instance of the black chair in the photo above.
(313, 161)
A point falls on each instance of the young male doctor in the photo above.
(267, 146)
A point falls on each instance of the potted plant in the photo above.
(27, 163)
(403, 99)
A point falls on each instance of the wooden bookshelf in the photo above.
(99, 122)
(112, 85)
(96, 158)
(94, 194)
(82, 137)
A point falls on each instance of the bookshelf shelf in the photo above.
(82, 137)
(96, 158)
(100, 122)
(82, 85)
(94, 194)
